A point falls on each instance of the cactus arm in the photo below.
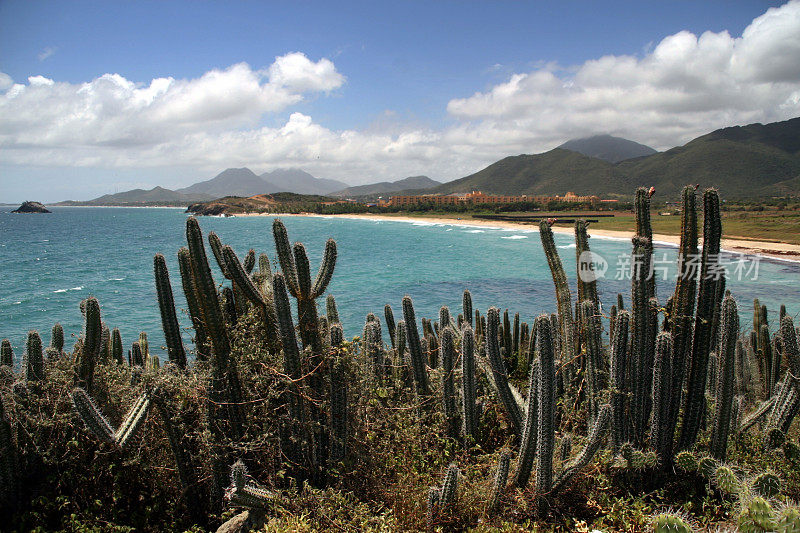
(593, 444)
(192, 301)
(325, 269)
(166, 304)
(725, 379)
(468, 396)
(415, 348)
(500, 377)
(91, 416)
(285, 256)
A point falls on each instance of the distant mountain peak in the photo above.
(608, 148)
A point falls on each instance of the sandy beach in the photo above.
(772, 250)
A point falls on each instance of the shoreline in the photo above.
(778, 251)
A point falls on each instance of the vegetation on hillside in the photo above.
(664, 414)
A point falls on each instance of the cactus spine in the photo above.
(169, 321)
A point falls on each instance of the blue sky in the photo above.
(367, 91)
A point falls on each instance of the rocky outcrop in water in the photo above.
(31, 207)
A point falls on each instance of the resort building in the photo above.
(478, 197)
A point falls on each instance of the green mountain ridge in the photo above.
(746, 161)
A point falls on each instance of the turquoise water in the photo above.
(49, 263)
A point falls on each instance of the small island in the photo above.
(31, 207)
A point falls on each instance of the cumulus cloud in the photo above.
(685, 86)
(681, 87)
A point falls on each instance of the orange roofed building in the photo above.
(478, 197)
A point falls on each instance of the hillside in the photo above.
(283, 202)
(299, 181)
(375, 189)
(154, 196)
(745, 161)
(608, 148)
(231, 182)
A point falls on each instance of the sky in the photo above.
(102, 97)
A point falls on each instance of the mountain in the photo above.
(743, 161)
(154, 196)
(299, 181)
(375, 189)
(231, 182)
(608, 148)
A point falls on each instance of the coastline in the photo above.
(778, 251)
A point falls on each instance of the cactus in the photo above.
(448, 350)
(169, 321)
(766, 484)
(249, 261)
(670, 523)
(686, 461)
(144, 344)
(499, 372)
(788, 520)
(91, 344)
(449, 490)
(469, 411)
(530, 432)
(726, 481)
(587, 283)
(725, 380)
(701, 344)
(191, 292)
(338, 399)
(662, 431)
(547, 405)
(591, 330)
(619, 364)
(415, 348)
(34, 359)
(757, 414)
(9, 467)
(500, 480)
(466, 303)
(390, 324)
(434, 494)
(242, 492)
(116, 346)
(706, 466)
(332, 312)
(566, 326)
(756, 517)
(6, 354)
(99, 426)
(595, 439)
(57, 337)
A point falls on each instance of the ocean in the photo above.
(49, 263)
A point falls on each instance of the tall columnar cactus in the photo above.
(449, 490)
(91, 344)
(547, 406)
(136, 358)
(499, 372)
(57, 337)
(144, 344)
(663, 431)
(169, 320)
(448, 349)
(619, 380)
(101, 427)
(593, 443)
(681, 312)
(116, 346)
(248, 288)
(6, 354)
(530, 432)
(469, 411)
(191, 292)
(391, 326)
(587, 282)
(500, 480)
(249, 261)
(9, 467)
(291, 352)
(566, 323)
(34, 358)
(725, 379)
(332, 312)
(295, 268)
(418, 359)
(466, 303)
(701, 344)
(338, 398)
(591, 331)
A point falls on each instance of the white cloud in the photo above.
(681, 87)
(685, 86)
(47, 52)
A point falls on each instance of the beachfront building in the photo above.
(479, 197)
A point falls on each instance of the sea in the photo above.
(50, 262)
